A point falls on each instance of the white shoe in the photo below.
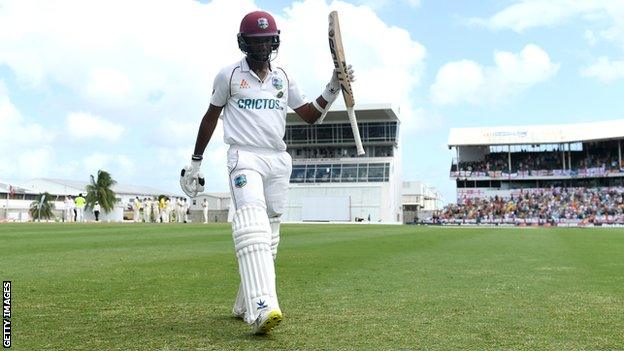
(267, 321)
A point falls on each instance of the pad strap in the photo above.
(275, 234)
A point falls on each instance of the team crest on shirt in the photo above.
(263, 23)
(277, 83)
(240, 181)
(244, 84)
(280, 94)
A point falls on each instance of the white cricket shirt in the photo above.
(254, 112)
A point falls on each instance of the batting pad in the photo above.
(275, 234)
(239, 305)
(252, 242)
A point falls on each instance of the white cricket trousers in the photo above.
(79, 214)
(259, 177)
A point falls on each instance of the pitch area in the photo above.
(341, 287)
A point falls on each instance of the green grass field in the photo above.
(341, 287)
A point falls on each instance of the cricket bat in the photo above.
(338, 56)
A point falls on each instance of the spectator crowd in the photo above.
(554, 205)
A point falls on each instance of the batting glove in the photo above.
(191, 179)
(333, 87)
(350, 76)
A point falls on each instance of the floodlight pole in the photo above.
(509, 159)
(569, 156)
(563, 156)
(620, 154)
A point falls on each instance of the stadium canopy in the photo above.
(365, 113)
(72, 187)
(537, 134)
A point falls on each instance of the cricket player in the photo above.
(80, 203)
(205, 210)
(136, 207)
(162, 206)
(69, 209)
(185, 210)
(253, 94)
(155, 209)
(179, 209)
(147, 210)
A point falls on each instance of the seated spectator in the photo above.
(586, 204)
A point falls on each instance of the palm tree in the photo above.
(100, 190)
(46, 207)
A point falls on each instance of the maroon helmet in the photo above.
(255, 26)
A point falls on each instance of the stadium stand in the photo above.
(564, 175)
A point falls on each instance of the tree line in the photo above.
(98, 190)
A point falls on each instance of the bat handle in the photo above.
(356, 131)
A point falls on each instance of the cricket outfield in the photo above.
(341, 287)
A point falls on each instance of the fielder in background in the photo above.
(155, 210)
(147, 210)
(69, 209)
(205, 210)
(80, 206)
(136, 208)
(254, 94)
(96, 211)
(185, 210)
(161, 209)
(179, 209)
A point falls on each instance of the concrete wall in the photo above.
(219, 216)
(378, 200)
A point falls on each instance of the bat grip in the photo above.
(356, 131)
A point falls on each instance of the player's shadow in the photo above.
(227, 328)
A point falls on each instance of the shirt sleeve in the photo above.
(295, 98)
(220, 89)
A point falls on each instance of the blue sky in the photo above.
(122, 86)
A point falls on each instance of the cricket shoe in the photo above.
(266, 321)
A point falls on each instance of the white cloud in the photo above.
(590, 37)
(112, 55)
(388, 63)
(605, 70)
(527, 14)
(15, 130)
(118, 165)
(455, 81)
(467, 81)
(35, 161)
(26, 145)
(604, 17)
(151, 73)
(105, 57)
(108, 85)
(381, 4)
(176, 141)
(81, 125)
